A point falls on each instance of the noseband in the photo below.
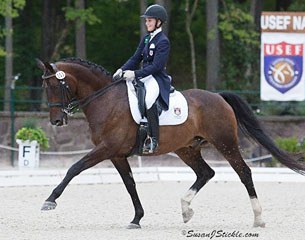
(68, 104)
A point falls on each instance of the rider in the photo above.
(152, 52)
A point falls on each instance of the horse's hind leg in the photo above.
(203, 172)
(227, 145)
(123, 167)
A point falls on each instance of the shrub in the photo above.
(288, 144)
(31, 134)
(291, 144)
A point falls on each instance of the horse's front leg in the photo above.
(123, 167)
(97, 155)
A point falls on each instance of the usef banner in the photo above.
(282, 56)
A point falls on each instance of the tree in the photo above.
(54, 29)
(213, 53)
(8, 59)
(255, 11)
(118, 35)
(80, 32)
(188, 22)
(239, 47)
(143, 6)
(167, 5)
(58, 21)
(282, 5)
(9, 9)
(47, 29)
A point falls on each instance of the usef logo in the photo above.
(283, 65)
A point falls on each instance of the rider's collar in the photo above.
(154, 33)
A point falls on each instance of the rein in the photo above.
(73, 104)
(85, 101)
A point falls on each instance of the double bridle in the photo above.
(69, 103)
(72, 105)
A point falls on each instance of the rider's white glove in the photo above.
(118, 74)
(129, 75)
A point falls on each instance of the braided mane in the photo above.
(87, 64)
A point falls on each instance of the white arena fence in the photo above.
(41, 176)
(82, 152)
(47, 177)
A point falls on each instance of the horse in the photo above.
(213, 118)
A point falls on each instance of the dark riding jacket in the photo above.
(154, 56)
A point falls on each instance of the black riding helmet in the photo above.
(155, 11)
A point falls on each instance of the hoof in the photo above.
(259, 224)
(187, 215)
(48, 206)
(133, 226)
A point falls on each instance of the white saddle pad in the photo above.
(176, 114)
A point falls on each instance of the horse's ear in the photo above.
(40, 64)
(49, 67)
(44, 65)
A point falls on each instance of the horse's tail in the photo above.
(251, 127)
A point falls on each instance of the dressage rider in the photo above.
(152, 52)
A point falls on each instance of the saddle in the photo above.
(176, 114)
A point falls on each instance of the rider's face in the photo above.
(150, 24)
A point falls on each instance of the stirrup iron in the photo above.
(149, 141)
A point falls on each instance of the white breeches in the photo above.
(152, 90)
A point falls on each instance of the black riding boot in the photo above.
(153, 122)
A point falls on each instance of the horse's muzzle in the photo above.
(59, 121)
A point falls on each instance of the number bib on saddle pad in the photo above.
(176, 114)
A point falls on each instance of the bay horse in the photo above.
(213, 118)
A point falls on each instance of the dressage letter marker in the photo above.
(28, 155)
